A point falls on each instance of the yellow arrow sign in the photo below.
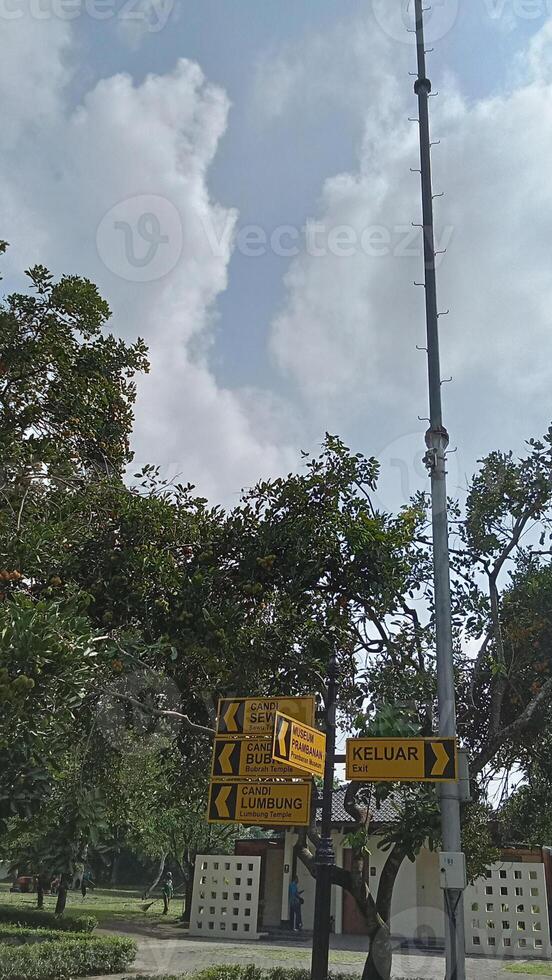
(230, 717)
(225, 758)
(417, 760)
(255, 716)
(221, 802)
(283, 729)
(442, 759)
(261, 804)
(300, 745)
(247, 757)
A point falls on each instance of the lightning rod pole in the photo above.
(437, 441)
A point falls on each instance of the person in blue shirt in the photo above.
(295, 903)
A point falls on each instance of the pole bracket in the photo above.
(422, 84)
(437, 438)
(325, 854)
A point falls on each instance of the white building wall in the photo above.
(507, 912)
(430, 911)
(403, 906)
(307, 884)
(289, 844)
(225, 899)
(272, 888)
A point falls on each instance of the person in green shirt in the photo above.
(168, 892)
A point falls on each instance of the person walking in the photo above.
(168, 892)
(86, 883)
(295, 903)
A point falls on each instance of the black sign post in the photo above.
(325, 855)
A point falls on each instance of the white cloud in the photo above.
(117, 190)
(347, 331)
(33, 74)
(337, 67)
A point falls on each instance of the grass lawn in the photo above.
(109, 905)
(533, 969)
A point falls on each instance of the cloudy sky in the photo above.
(235, 176)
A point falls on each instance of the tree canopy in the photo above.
(130, 604)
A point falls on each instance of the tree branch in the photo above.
(515, 728)
(162, 713)
(358, 814)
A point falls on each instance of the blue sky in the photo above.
(252, 112)
(230, 40)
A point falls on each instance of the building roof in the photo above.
(380, 814)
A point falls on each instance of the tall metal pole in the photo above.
(437, 441)
(325, 855)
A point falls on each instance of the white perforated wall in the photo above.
(225, 899)
(506, 912)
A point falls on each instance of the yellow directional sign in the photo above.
(302, 746)
(247, 757)
(260, 804)
(417, 760)
(255, 716)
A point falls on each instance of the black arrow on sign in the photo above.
(440, 759)
(222, 805)
(231, 717)
(227, 758)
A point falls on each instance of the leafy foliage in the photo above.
(65, 390)
(70, 956)
(47, 920)
(526, 817)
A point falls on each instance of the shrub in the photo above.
(37, 918)
(63, 957)
(21, 934)
(249, 972)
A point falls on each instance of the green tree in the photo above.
(51, 663)
(66, 394)
(526, 817)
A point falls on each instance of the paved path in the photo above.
(173, 956)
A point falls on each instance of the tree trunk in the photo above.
(376, 912)
(40, 893)
(187, 911)
(380, 954)
(380, 957)
(62, 894)
(155, 882)
(79, 865)
(114, 876)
